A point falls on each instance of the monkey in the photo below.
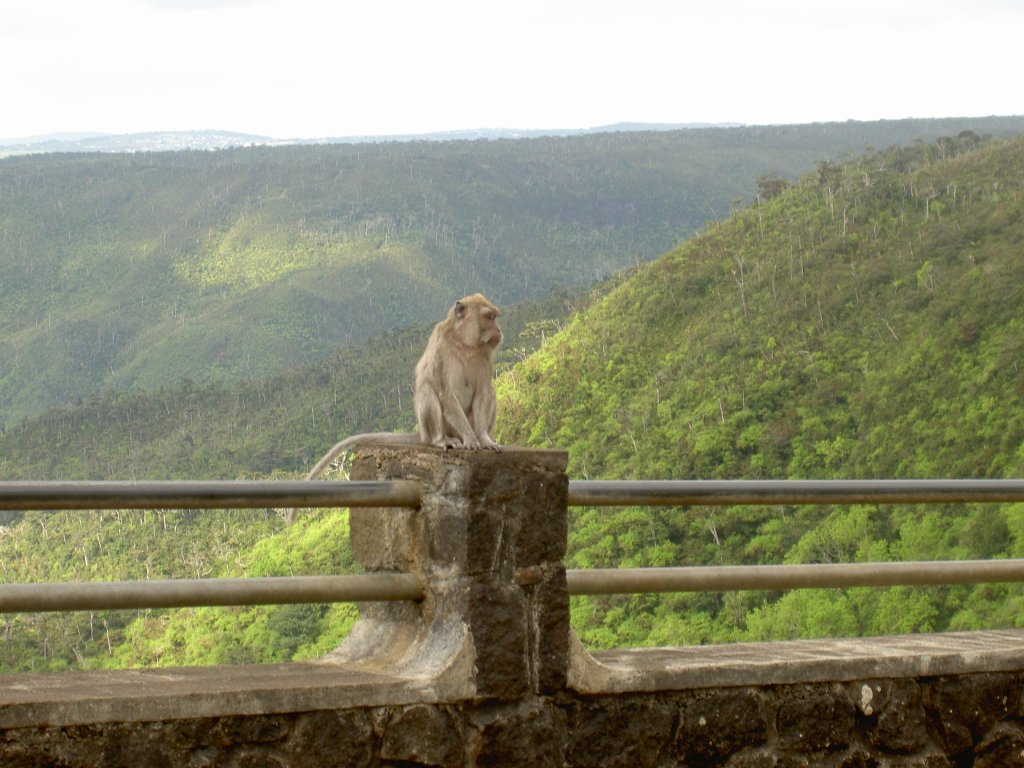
(454, 398)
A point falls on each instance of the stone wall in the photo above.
(968, 720)
(485, 671)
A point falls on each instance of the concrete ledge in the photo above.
(77, 698)
(127, 696)
(800, 661)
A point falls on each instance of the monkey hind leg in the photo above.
(430, 419)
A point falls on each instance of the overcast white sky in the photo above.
(319, 68)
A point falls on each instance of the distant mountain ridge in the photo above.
(177, 141)
(524, 133)
(213, 139)
(151, 141)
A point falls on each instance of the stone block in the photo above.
(385, 541)
(520, 735)
(497, 617)
(542, 535)
(620, 733)
(961, 709)
(549, 628)
(445, 541)
(712, 727)
(894, 715)
(424, 735)
(1002, 747)
(813, 720)
(327, 739)
(489, 536)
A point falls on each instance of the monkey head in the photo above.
(475, 320)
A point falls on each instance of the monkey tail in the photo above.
(348, 444)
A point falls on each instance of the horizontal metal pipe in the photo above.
(209, 494)
(620, 581)
(188, 593)
(728, 492)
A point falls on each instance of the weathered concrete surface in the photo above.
(76, 698)
(802, 661)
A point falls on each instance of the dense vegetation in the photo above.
(183, 544)
(867, 322)
(864, 320)
(133, 271)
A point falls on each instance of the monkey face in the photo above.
(477, 322)
(490, 332)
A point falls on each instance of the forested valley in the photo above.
(132, 272)
(859, 319)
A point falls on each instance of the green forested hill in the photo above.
(134, 271)
(867, 322)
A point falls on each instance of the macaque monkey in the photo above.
(454, 398)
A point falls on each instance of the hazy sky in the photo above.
(318, 68)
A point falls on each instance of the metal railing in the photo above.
(188, 593)
(400, 493)
(208, 494)
(612, 581)
(726, 578)
(192, 593)
(735, 492)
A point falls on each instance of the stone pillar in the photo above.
(488, 544)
